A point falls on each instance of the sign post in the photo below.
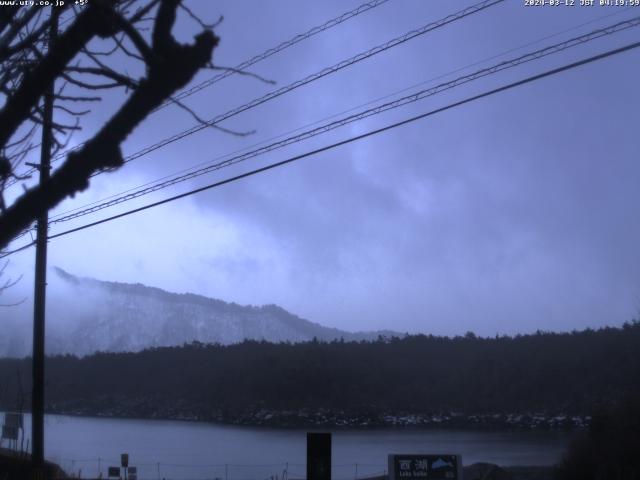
(13, 420)
(425, 467)
(318, 456)
(10, 433)
(124, 461)
(13, 423)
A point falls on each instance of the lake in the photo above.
(190, 450)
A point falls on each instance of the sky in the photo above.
(510, 214)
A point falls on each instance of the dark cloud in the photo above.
(511, 214)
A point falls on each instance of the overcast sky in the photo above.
(514, 213)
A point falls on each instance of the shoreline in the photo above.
(12, 463)
(297, 421)
(18, 465)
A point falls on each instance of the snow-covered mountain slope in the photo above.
(92, 315)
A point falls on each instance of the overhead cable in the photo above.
(414, 97)
(370, 133)
(335, 115)
(365, 7)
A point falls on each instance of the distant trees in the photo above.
(544, 372)
(609, 450)
(99, 43)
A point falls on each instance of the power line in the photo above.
(362, 136)
(365, 7)
(283, 46)
(406, 89)
(414, 97)
(304, 81)
(370, 133)
(615, 13)
(88, 209)
(318, 75)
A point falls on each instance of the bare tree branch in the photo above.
(204, 122)
(198, 20)
(243, 72)
(14, 30)
(169, 66)
(8, 283)
(35, 82)
(121, 80)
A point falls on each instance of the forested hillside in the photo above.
(86, 316)
(545, 375)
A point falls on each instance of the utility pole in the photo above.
(37, 399)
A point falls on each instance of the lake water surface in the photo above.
(181, 450)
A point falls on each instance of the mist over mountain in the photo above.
(85, 315)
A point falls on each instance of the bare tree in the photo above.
(85, 59)
(6, 284)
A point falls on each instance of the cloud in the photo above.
(511, 214)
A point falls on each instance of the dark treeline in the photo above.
(609, 448)
(543, 372)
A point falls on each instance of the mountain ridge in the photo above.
(90, 315)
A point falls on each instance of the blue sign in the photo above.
(425, 467)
